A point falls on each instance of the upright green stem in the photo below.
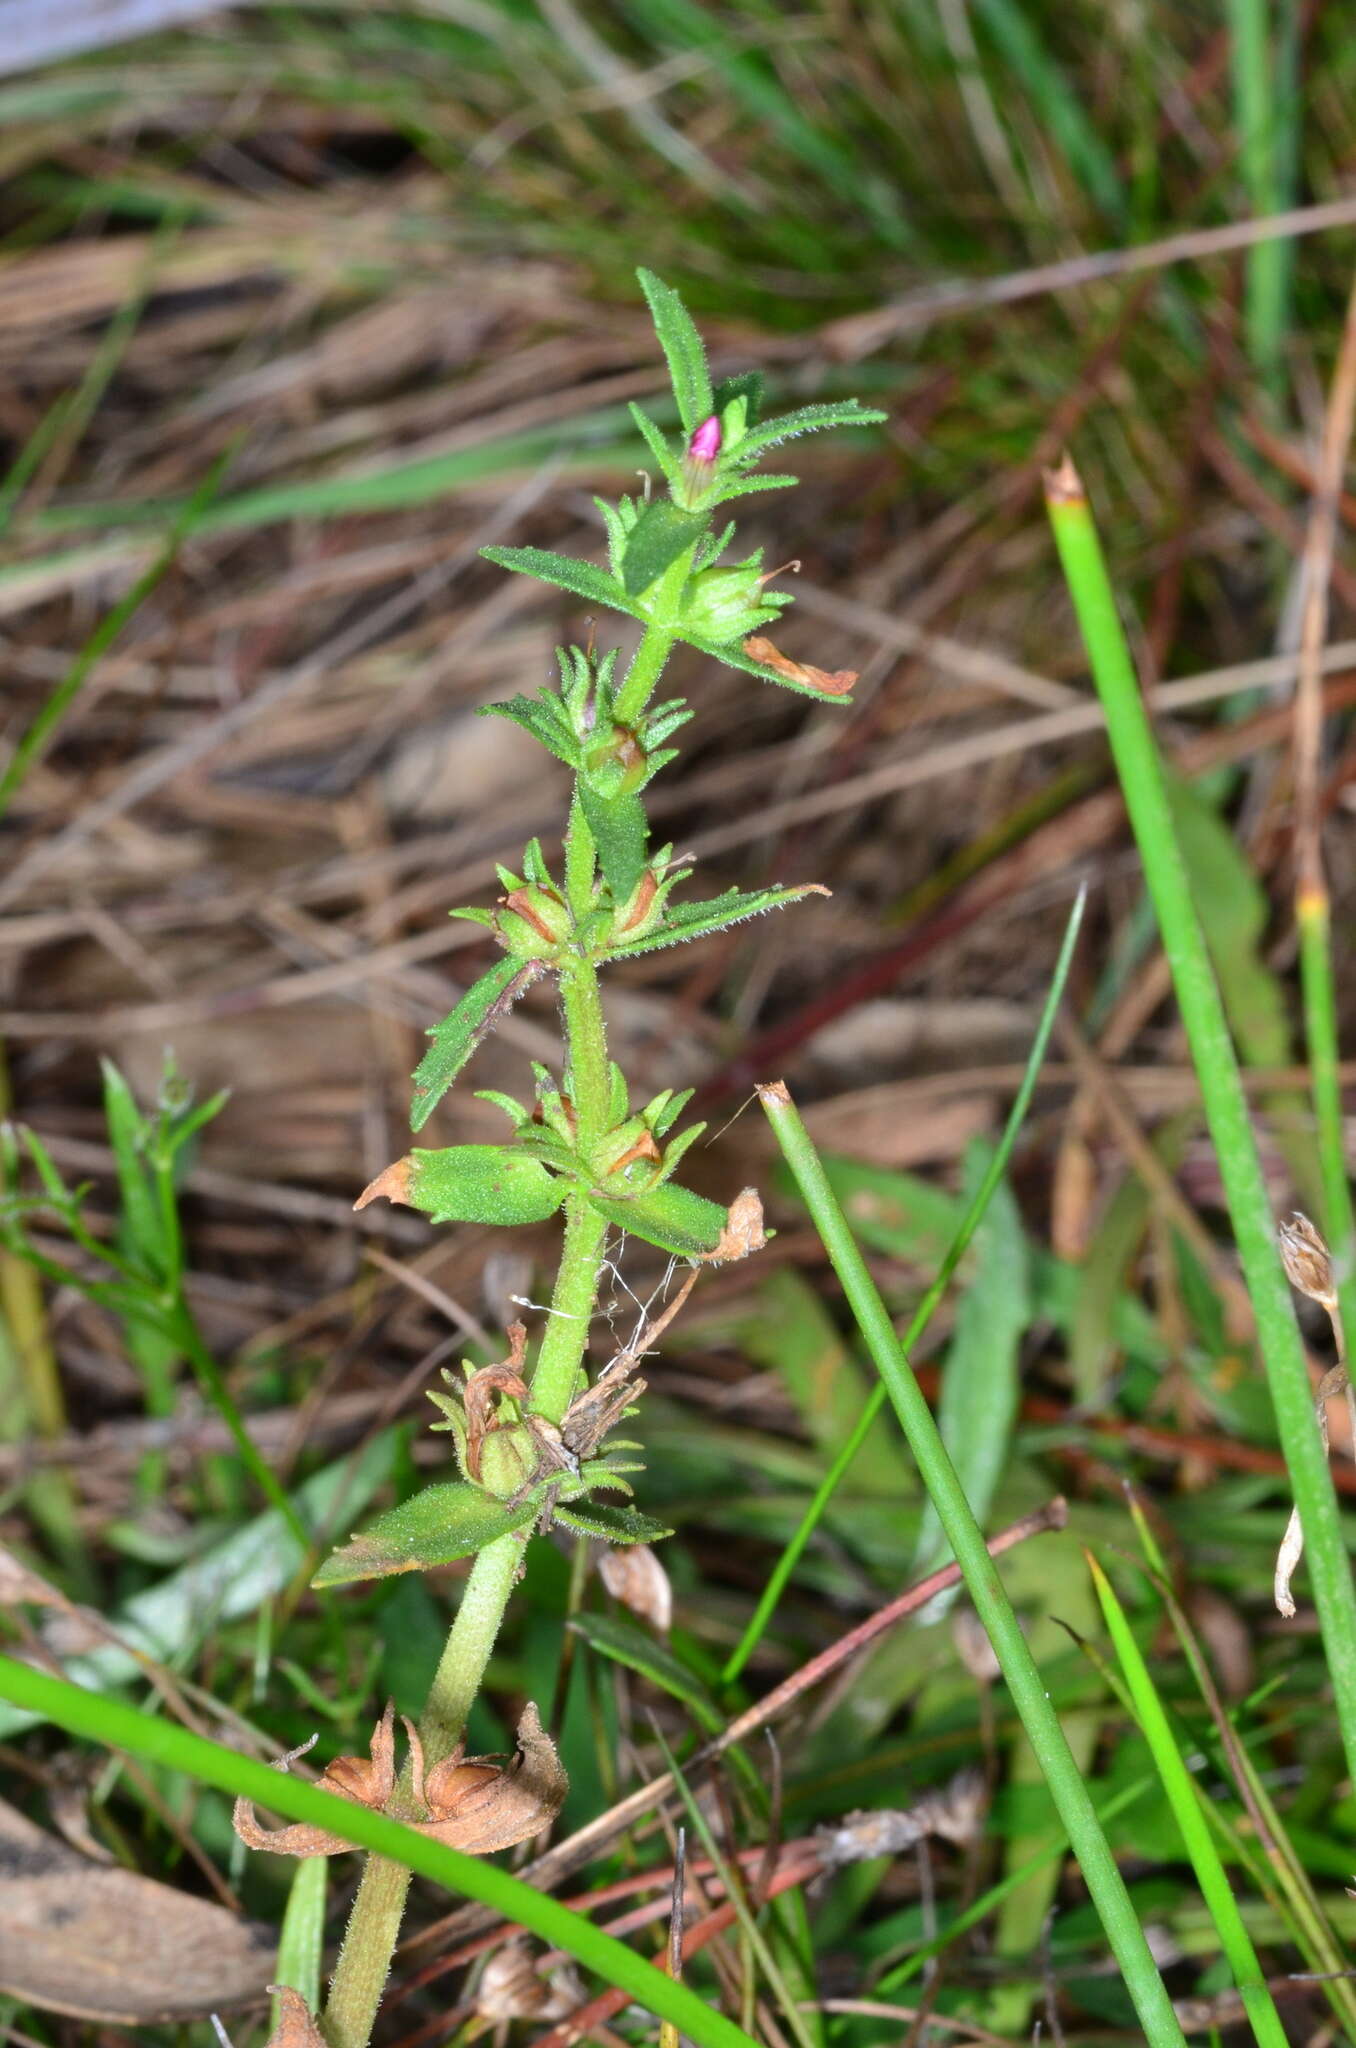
(374, 1925)
(1047, 1739)
(1226, 1106)
(647, 663)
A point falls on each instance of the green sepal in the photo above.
(683, 921)
(620, 831)
(515, 1111)
(675, 1149)
(660, 535)
(431, 1528)
(748, 385)
(456, 1038)
(682, 346)
(482, 1184)
(672, 1218)
(613, 1523)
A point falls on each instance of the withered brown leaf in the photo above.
(833, 683)
(296, 2027)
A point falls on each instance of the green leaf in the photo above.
(543, 718)
(431, 1528)
(658, 447)
(223, 1584)
(456, 1038)
(620, 831)
(682, 347)
(684, 921)
(482, 1184)
(981, 1380)
(127, 1134)
(613, 1523)
(627, 1643)
(673, 1218)
(583, 579)
(659, 536)
(808, 419)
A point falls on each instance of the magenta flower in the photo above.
(705, 443)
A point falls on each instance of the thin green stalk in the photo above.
(374, 1923)
(182, 1331)
(647, 664)
(36, 739)
(121, 1726)
(1319, 999)
(1309, 1923)
(956, 1251)
(1066, 1782)
(1226, 1107)
(1185, 1799)
(1260, 75)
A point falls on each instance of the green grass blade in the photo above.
(923, 1315)
(162, 1742)
(1072, 1800)
(301, 1944)
(1185, 1800)
(43, 727)
(981, 1379)
(1226, 1106)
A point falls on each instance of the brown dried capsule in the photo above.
(1307, 1260)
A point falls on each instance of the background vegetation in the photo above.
(302, 307)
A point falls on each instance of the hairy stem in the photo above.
(374, 1925)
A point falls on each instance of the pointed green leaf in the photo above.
(673, 1218)
(620, 831)
(456, 1038)
(682, 346)
(431, 1528)
(127, 1133)
(657, 445)
(808, 419)
(659, 536)
(583, 579)
(541, 716)
(482, 1184)
(684, 921)
(629, 1644)
(613, 1523)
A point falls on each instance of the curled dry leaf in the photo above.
(296, 2028)
(633, 1574)
(743, 1233)
(835, 683)
(109, 1945)
(393, 1182)
(473, 1803)
(512, 1987)
(955, 1813)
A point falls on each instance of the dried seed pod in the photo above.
(512, 1987)
(1307, 1260)
(633, 1574)
(474, 1803)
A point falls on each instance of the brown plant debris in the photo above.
(474, 1804)
(505, 1377)
(296, 2026)
(834, 683)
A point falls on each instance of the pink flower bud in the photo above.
(705, 443)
